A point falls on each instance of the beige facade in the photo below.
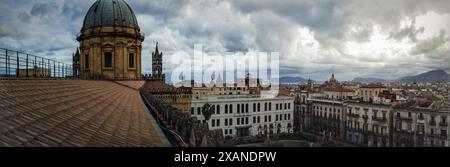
(368, 124)
(110, 42)
(418, 127)
(34, 72)
(110, 53)
(369, 93)
(156, 87)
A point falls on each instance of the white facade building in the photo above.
(247, 115)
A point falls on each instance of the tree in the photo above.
(207, 111)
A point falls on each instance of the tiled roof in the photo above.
(158, 86)
(338, 89)
(373, 86)
(74, 113)
(132, 84)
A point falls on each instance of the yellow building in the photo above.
(34, 72)
(155, 86)
(110, 42)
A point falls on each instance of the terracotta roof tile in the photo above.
(74, 113)
(132, 84)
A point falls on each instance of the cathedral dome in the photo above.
(110, 13)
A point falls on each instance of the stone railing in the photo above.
(180, 127)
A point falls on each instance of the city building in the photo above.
(370, 92)
(368, 124)
(326, 117)
(321, 111)
(245, 86)
(417, 126)
(247, 115)
(34, 72)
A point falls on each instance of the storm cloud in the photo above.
(352, 38)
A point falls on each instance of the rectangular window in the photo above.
(238, 109)
(218, 109)
(192, 110)
(254, 120)
(231, 131)
(254, 107)
(226, 122)
(108, 59)
(218, 122)
(231, 108)
(246, 120)
(246, 108)
(270, 106)
(231, 121)
(131, 60)
(238, 121)
(198, 110)
(86, 61)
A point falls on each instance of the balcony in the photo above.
(420, 118)
(444, 124)
(379, 119)
(404, 131)
(365, 116)
(432, 123)
(443, 137)
(404, 118)
(350, 115)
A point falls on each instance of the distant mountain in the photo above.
(431, 76)
(287, 80)
(368, 80)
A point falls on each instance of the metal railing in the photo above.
(18, 64)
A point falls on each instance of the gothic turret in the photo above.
(157, 65)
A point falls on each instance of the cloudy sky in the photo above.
(351, 38)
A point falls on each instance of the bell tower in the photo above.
(157, 65)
